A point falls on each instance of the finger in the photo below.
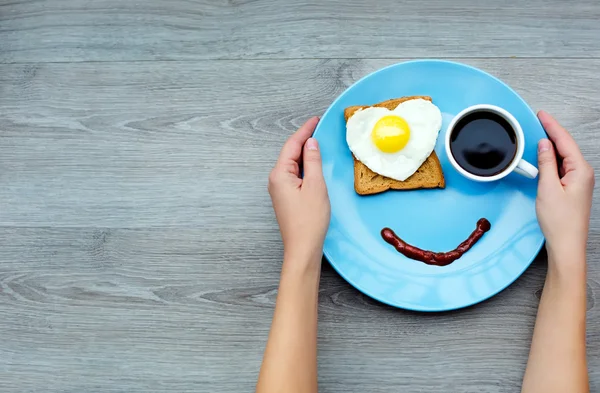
(547, 165)
(288, 167)
(564, 142)
(313, 170)
(292, 149)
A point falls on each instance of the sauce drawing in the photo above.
(436, 258)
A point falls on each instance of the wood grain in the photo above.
(191, 144)
(69, 30)
(170, 310)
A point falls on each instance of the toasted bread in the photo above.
(367, 182)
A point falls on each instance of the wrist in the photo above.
(302, 254)
(567, 268)
(568, 246)
(302, 261)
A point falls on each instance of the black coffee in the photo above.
(483, 143)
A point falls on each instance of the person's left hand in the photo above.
(301, 204)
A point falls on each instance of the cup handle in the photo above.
(526, 169)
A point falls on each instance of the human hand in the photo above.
(301, 204)
(564, 198)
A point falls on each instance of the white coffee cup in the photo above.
(518, 165)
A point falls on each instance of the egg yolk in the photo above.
(390, 134)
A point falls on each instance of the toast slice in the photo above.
(367, 182)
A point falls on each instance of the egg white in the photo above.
(424, 120)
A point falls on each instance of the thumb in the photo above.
(547, 164)
(313, 171)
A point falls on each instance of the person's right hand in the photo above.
(564, 198)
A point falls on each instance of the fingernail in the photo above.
(544, 145)
(311, 144)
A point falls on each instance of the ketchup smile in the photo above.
(436, 258)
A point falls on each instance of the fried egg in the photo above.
(394, 143)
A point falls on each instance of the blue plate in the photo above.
(436, 220)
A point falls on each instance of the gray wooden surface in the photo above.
(138, 249)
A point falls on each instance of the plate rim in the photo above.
(410, 306)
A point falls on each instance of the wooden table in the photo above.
(138, 249)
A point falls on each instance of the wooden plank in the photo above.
(104, 30)
(175, 309)
(190, 144)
